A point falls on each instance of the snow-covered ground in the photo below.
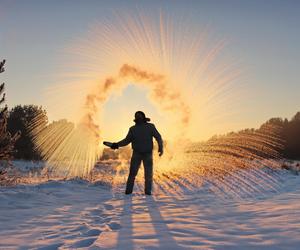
(77, 214)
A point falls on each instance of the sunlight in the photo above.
(188, 82)
(119, 109)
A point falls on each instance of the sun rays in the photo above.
(186, 78)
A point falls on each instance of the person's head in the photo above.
(140, 117)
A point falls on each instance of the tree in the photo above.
(296, 117)
(7, 141)
(291, 135)
(25, 118)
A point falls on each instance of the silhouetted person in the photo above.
(140, 136)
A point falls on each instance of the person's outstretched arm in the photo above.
(126, 140)
(159, 140)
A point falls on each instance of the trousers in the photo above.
(135, 163)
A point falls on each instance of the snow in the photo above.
(76, 214)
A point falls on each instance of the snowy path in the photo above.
(72, 215)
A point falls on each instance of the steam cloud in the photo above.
(168, 98)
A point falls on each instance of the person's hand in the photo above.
(114, 146)
(160, 152)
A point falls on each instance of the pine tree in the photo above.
(7, 141)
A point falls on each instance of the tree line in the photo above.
(20, 118)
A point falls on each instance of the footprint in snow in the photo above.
(84, 243)
(93, 232)
(108, 207)
(114, 226)
(79, 228)
(51, 247)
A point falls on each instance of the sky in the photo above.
(263, 37)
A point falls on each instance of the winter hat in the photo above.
(145, 119)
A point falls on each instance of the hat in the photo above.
(146, 119)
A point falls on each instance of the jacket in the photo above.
(140, 136)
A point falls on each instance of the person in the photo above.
(141, 138)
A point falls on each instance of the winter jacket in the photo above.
(140, 136)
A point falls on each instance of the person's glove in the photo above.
(160, 152)
(114, 146)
